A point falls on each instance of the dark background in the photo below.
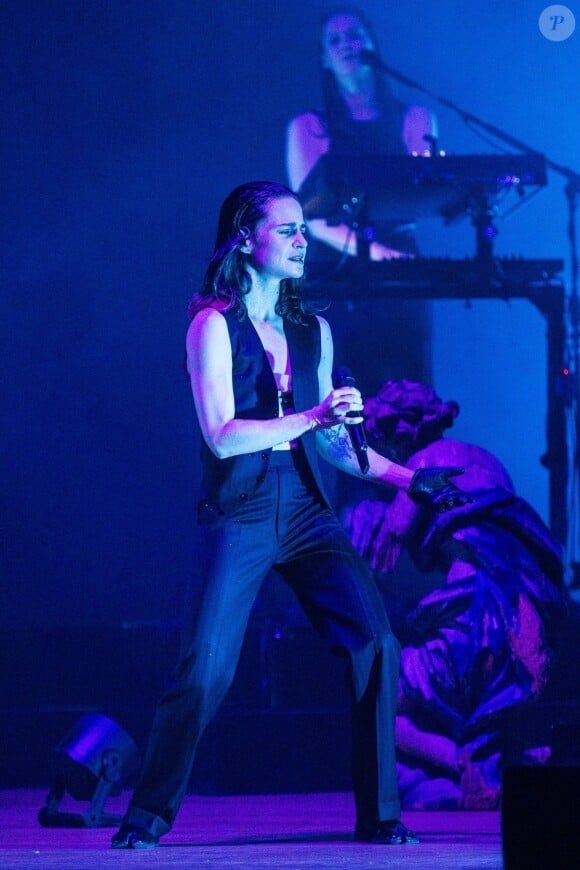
(125, 124)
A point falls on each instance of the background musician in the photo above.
(361, 116)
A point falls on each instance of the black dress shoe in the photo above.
(133, 837)
(390, 833)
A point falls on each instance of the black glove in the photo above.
(431, 486)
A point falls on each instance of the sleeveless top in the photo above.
(226, 483)
(379, 136)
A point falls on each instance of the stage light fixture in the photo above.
(91, 762)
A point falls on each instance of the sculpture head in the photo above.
(405, 416)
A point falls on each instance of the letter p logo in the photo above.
(557, 23)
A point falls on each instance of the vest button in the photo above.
(266, 457)
(261, 478)
(243, 496)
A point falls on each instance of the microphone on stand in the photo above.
(343, 377)
(372, 59)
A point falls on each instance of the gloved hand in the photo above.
(432, 487)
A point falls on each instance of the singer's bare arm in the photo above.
(209, 363)
(334, 445)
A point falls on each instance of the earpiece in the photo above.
(245, 245)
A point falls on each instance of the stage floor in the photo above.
(288, 832)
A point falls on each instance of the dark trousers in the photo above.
(287, 526)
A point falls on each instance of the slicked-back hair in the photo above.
(226, 281)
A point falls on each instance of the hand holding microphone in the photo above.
(430, 487)
(343, 378)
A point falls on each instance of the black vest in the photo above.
(228, 482)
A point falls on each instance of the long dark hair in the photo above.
(336, 114)
(226, 280)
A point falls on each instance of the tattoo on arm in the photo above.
(338, 442)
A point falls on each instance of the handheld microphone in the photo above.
(343, 378)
